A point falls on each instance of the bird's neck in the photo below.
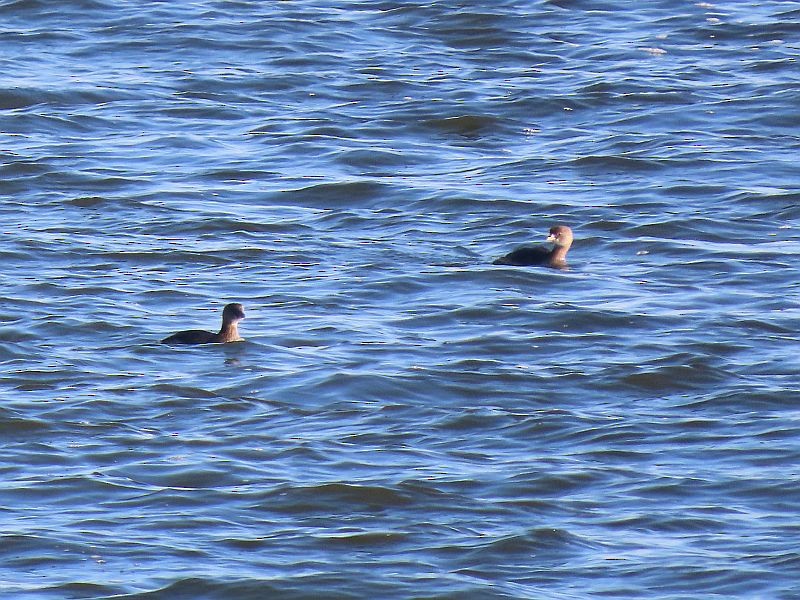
(559, 255)
(229, 332)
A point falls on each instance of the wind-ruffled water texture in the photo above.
(404, 419)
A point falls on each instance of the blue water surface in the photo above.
(404, 419)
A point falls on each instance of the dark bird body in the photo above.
(560, 235)
(229, 332)
(527, 255)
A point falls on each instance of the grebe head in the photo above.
(233, 313)
(560, 235)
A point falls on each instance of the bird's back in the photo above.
(192, 336)
(527, 255)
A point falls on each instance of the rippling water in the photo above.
(405, 420)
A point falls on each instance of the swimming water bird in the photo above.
(229, 332)
(560, 236)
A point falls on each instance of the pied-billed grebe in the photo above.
(229, 332)
(560, 235)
